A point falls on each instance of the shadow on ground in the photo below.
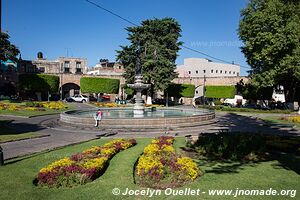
(241, 141)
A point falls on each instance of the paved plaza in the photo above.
(57, 135)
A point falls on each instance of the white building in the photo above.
(106, 68)
(198, 67)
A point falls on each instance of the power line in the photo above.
(116, 15)
(132, 23)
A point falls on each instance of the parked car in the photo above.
(79, 98)
(92, 98)
(255, 106)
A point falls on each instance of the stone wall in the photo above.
(212, 80)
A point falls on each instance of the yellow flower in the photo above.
(95, 149)
(187, 164)
(147, 163)
(60, 163)
(151, 149)
(97, 163)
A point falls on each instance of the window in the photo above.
(216, 71)
(189, 72)
(212, 71)
(221, 71)
(204, 71)
(78, 67)
(225, 72)
(67, 66)
(42, 69)
(78, 64)
(233, 72)
(229, 72)
(196, 71)
(237, 74)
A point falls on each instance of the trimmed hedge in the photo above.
(99, 85)
(181, 90)
(39, 82)
(219, 91)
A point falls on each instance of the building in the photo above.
(61, 65)
(106, 68)
(200, 67)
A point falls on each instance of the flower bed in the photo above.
(33, 106)
(295, 119)
(83, 167)
(109, 104)
(161, 167)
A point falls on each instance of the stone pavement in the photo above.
(65, 135)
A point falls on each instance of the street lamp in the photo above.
(61, 76)
(204, 80)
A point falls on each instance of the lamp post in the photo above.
(204, 80)
(61, 76)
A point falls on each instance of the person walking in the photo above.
(98, 117)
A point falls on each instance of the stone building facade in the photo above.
(67, 65)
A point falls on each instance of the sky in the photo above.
(78, 29)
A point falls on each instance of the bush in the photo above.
(160, 167)
(181, 90)
(99, 85)
(243, 146)
(219, 91)
(32, 104)
(39, 82)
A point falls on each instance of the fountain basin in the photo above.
(123, 118)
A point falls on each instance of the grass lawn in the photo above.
(17, 176)
(8, 134)
(32, 113)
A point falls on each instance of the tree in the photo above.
(8, 50)
(157, 41)
(270, 32)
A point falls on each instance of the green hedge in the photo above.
(181, 90)
(219, 91)
(39, 82)
(99, 85)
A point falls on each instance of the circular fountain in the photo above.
(153, 118)
(138, 117)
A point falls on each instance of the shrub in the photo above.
(181, 90)
(39, 82)
(219, 91)
(243, 146)
(160, 167)
(32, 104)
(99, 85)
(83, 167)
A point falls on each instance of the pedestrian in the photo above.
(98, 117)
